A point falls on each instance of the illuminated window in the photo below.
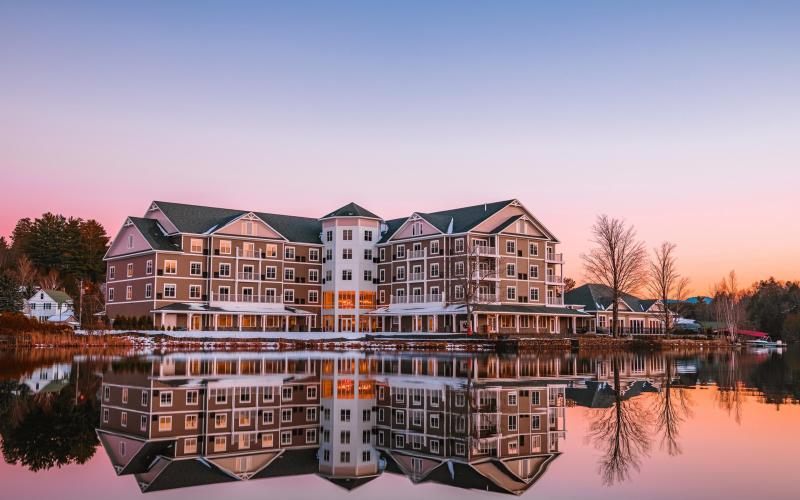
(366, 300)
(347, 300)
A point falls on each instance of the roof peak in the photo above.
(352, 209)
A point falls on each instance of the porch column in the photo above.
(286, 320)
(474, 322)
(189, 322)
(263, 323)
(239, 319)
(163, 316)
(216, 322)
(574, 325)
(454, 327)
(516, 323)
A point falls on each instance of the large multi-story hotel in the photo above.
(203, 268)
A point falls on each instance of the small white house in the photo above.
(50, 306)
(51, 378)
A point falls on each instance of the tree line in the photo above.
(54, 252)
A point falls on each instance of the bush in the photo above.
(14, 322)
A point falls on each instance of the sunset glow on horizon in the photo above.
(682, 118)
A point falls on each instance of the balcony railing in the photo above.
(555, 301)
(556, 258)
(431, 298)
(244, 298)
(417, 254)
(487, 297)
(552, 279)
(486, 274)
(247, 276)
(483, 250)
(416, 277)
(248, 254)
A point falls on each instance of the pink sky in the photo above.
(680, 118)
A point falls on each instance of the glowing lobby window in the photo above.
(327, 300)
(345, 389)
(327, 367)
(366, 390)
(366, 300)
(347, 300)
(327, 388)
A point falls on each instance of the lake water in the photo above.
(705, 424)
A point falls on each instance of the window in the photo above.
(459, 292)
(220, 420)
(221, 397)
(400, 251)
(399, 441)
(511, 246)
(220, 443)
(367, 254)
(286, 438)
(148, 267)
(382, 296)
(194, 291)
(145, 398)
(123, 419)
(344, 457)
(512, 447)
(164, 423)
(512, 422)
(244, 395)
(225, 247)
(130, 270)
(288, 253)
(459, 268)
(313, 296)
(191, 397)
(169, 291)
(112, 272)
(165, 398)
(534, 295)
(534, 272)
(128, 293)
(435, 247)
(367, 275)
(286, 415)
(329, 236)
(434, 421)
(434, 270)
(105, 415)
(266, 441)
(368, 236)
(460, 399)
(382, 275)
(434, 446)
(400, 417)
(536, 422)
(347, 274)
(459, 245)
(225, 270)
(270, 272)
(286, 394)
(170, 267)
(511, 293)
(366, 456)
(311, 392)
(268, 417)
(190, 445)
(313, 254)
(143, 423)
(196, 268)
(196, 245)
(247, 227)
(535, 397)
(416, 229)
(130, 241)
(311, 414)
(512, 398)
(401, 273)
(329, 254)
(311, 436)
(288, 296)
(347, 253)
(148, 290)
(344, 437)
(190, 422)
(267, 394)
(366, 415)
(534, 249)
(511, 270)
(288, 274)
(382, 254)
(347, 234)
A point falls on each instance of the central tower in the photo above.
(349, 235)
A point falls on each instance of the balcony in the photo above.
(484, 250)
(248, 254)
(431, 298)
(555, 301)
(247, 276)
(555, 258)
(417, 254)
(416, 277)
(485, 274)
(552, 279)
(245, 302)
(487, 297)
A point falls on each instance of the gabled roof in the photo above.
(457, 220)
(506, 223)
(155, 235)
(392, 226)
(596, 297)
(351, 210)
(58, 296)
(199, 219)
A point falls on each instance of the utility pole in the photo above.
(80, 305)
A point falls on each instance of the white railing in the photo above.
(555, 301)
(431, 298)
(487, 297)
(483, 250)
(552, 279)
(554, 257)
(248, 254)
(416, 277)
(244, 298)
(247, 276)
(416, 254)
(486, 274)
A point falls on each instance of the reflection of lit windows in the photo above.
(190, 445)
(219, 443)
(286, 438)
(266, 441)
(164, 423)
(220, 420)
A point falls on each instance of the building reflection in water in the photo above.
(489, 423)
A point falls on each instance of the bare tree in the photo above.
(617, 260)
(26, 274)
(665, 283)
(728, 304)
(477, 275)
(50, 281)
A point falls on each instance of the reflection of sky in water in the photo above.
(684, 438)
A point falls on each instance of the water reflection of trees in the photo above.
(671, 408)
(49, 429)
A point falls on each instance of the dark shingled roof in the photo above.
(199, 219)
(154, 234)
(593, 294)
(352, 210)
(528, 309)
(506, 223)
(393, 225)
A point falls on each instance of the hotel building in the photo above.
(203, 268)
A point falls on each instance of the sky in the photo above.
(683, 118)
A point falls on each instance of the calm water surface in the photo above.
(358, 425)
